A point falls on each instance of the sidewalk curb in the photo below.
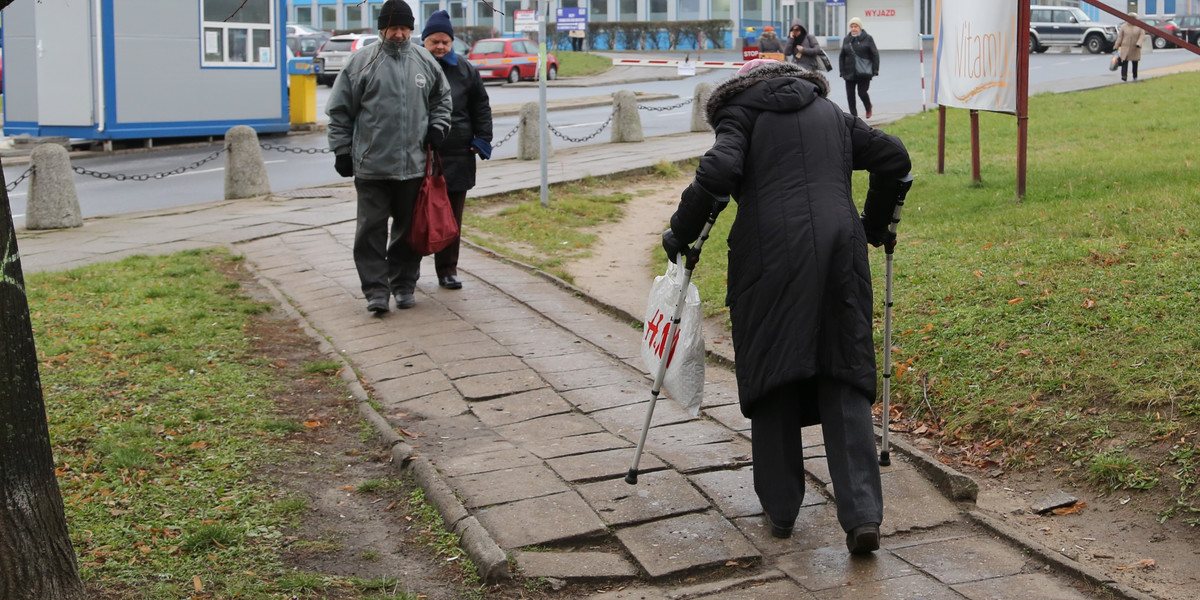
(489, 558)
(1075, 569)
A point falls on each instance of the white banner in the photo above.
(975, 51)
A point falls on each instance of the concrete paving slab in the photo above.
(933, 509)
(481, 366)
(731, 490)
(1032, 585)
(656, 495)
(602, 465)
(575, 566)
(782, 589)
(506, 485)
(965, 559)
(548, 428)
(690, 459)
(482, 314)
(438, 405)
(576, 444)
(590, 377)
(495, 459)
(630, 419)
(692, 433)
(412, 386)
(598, 398)
(397, 368)
(816, 527)
(571, 362)
(551, 347)
(544, 520)
(524, 406)
(495, 385)
(539, 332)
(901, 588)
(729, 415)
(683, 543)
(499, 327)
(829, 567)
(465, 350)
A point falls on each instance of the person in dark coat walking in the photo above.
(858, 63)
(470, 132)
(799, 284)
(769, 41)
(802, 48)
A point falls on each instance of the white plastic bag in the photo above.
(684, 379)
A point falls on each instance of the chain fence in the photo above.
(666, 108)
(148, 176)
(12, 185)
(584, 138)
(294, 149)
(508, 135)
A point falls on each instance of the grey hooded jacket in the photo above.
(381, 105)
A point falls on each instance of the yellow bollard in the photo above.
(302, 88)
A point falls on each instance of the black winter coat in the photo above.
(472, 118)
(799, 285)
(858, 45)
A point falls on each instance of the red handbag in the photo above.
(433, 225)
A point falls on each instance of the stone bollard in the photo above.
(528, 144)
(245, 172)
(53, 203)
(627, 123)
(699, 104)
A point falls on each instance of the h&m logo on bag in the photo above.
(658, 328)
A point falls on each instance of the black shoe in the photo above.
(780, 531)
(405, 301)
(863, 539)
(378, 305)
(450, 282)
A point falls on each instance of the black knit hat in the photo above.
(396, 13)
(438, 22)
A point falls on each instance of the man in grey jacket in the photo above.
(389, 105)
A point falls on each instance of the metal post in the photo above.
(544, 128)
(975, 177)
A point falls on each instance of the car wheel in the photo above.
(1033, 44)
(552, 73)
(514, 75)
(1160, 43)
(1094, 44)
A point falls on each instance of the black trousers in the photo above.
(446, 261)
(384, 261)
(849, 448)
(862, 87)
(1125, 69)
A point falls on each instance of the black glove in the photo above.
(344, 165)
(434, 138)
(884, 197)
(673, 245)
(878, 237)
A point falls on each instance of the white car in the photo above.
(336, 51)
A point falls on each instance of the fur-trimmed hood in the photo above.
(789, 87)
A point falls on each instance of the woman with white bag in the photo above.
(799, 285)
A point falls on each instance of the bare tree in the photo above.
(37, 561)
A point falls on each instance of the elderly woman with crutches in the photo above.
(799, 284)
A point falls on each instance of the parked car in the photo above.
(1167, 25)
(334, 53)
(301, 29)
(1190, 27)
(1068, 26)
(509, 59)
(307, 44)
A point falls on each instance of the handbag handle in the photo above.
(433, 158)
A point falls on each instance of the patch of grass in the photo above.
(372, 486)
(304, 581)
(444, 542)
(322, 367)
(1115, 470)
(280, 426)
(370, 554)
(210, 536)
(292, 504)
(575, 64)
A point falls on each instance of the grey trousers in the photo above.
(384, 261)
(849, 448)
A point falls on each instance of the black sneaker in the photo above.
(778, 530)
(450, 282)
(863, 539)
(378, 305)
(405, 301)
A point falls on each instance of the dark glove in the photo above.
(434, 138)
(878, 237)
(673, 245)
(885, 196)
(344, 165)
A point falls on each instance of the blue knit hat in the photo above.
(438, 22)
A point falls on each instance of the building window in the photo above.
(484, 15)
(628, 10)
(353, 17)
(304, 14)
(599, 11)
(458, 14)
(329, 18)
(237, 33)
(720, 9)
(689, 10)
(658, 10)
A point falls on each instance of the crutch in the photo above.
(889, 248)
(689, 258)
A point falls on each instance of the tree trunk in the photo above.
(36, 557)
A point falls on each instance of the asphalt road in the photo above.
(898, 90)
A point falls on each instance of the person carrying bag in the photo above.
(858, 64)
(433, 226)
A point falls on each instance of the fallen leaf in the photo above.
(979, 274)
(313, 424)
(1089, 303)
(1016, 300)
(348, 488)
(1143, 564)
(1073, 509)
(198, 445)
(144, 549)
(987, 246)
(197, 584)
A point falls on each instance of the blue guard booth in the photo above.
(141, 69)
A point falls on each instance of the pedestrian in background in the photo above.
(802, 47)
(798, 281)
(769, 41)
(470, 132)
(389, 103)
(1129, 47)
(858, 64)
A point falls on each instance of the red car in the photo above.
(511, 59)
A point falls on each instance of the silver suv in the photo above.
(336, 51)
(1068, 26)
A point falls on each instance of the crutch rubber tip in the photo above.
(631, 477)
(885, 459)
